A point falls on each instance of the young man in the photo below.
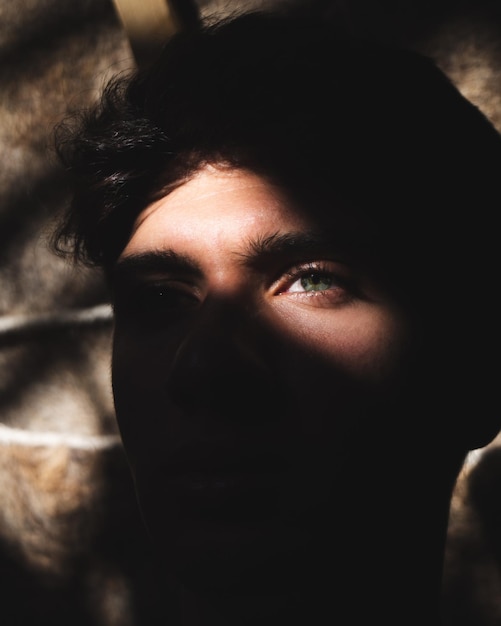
(298, 232)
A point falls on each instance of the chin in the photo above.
(240, 559)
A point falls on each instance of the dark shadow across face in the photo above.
(284, 362)
(266, 386)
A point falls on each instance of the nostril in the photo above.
(217, 370)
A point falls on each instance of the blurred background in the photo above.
(72, 547)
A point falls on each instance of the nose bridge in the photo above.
(219, 331)
(221, 349)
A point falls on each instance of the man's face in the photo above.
(251, 351)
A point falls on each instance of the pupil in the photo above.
(313, 281)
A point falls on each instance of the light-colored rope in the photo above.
(30, 438)
(25, 326)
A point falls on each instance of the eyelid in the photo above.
(332, 268)
(141, 285)
(329, 267)
(159, 277)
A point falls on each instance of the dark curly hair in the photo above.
(294, 100)
(334, 121)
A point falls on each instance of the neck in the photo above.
(394, 588)
(386, 565)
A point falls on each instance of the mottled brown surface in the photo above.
(72, 548)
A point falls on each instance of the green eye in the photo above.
(316, 282)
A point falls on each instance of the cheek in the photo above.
(139, 378)
(363, 341)
(136, 365)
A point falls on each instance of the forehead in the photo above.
(223, 206)
(221, 200)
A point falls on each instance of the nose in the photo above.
(224, 357)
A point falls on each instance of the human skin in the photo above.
(253, 353)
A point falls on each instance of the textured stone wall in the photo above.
(72, 548)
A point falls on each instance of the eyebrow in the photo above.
(294, 244)
(258, 253)
(154, 261)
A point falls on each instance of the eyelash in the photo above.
(338, 285)
(173, 299)
(154, 298)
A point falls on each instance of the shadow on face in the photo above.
(269, 389)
